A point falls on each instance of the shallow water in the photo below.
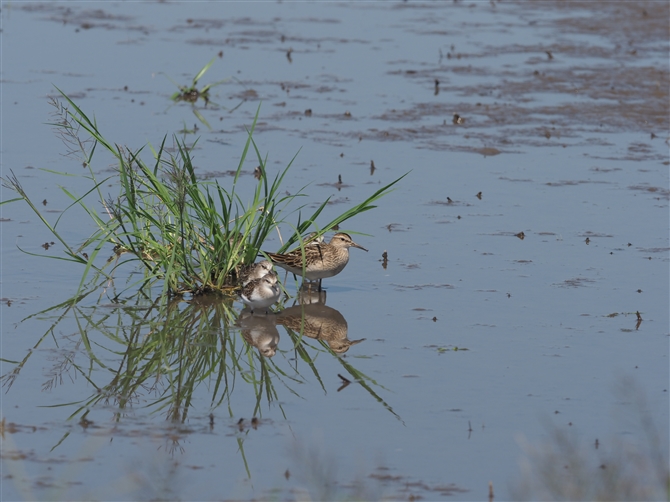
(565, 135)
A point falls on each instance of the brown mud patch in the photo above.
(558, 92)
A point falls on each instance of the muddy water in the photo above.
(531, 230)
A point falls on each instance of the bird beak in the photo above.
(353, 244)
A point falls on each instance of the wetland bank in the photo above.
(456, 352)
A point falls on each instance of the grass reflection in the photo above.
(159, 353)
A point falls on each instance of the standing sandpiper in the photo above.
(320, 260)
(261, 293)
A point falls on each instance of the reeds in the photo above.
(192, 235)
(627, 466)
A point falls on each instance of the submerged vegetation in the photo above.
(192, 235)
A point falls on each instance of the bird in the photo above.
(254, 271)
(319, 260)
(261, 293)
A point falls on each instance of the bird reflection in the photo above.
(307, 295)
(260, 331)
(318, 321)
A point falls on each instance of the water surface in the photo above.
(476, 340)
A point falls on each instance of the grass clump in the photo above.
(193, 235)
(190, 93)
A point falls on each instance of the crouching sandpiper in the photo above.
(261, 293)
(254, 271)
